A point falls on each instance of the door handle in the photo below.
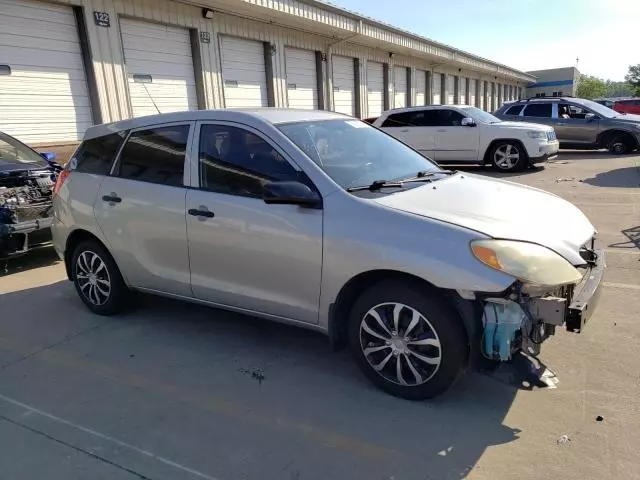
(441, 131)
(201, 212)
(111, 198)
(406, 130)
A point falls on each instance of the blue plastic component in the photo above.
(502, 320)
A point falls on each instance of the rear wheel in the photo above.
(98, 280)
(620, 144)
(508, 156)
(407, 341)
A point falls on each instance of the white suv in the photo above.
(464, 134)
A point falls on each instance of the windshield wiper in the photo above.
(426, 175)
(376, 185)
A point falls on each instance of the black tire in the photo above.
(512, 165)
(619, 145)
(119, 295)
(442, 325)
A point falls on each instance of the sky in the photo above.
(524, 34)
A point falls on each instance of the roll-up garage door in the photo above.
(243, 73)
(400, 87)
(472, 92)
(375, 88)
(436, 87)
(302, 82)
(43, 90)
(421, 87)
(481, 96)
(159, 67)
(343, 85)
(449, 90)
(462, 90)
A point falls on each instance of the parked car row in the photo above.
(323, 221)
(624, 105)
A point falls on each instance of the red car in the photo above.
(631, 105)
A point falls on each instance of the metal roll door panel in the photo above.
(302, 82)
(436, 88)
(421, 87)
(244, 77)
(343, 85)
(449, 90)
(159, 67)
(400, 87)
(462, 90)
(375, 89)
(43, 90)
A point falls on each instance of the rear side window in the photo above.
(96, 155)
(155, 155)
(515, 110)
(398, 120)
(538, 110)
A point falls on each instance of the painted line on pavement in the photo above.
(113, 440)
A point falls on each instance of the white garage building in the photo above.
(68, 64)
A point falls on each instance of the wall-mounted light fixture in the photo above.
(5, 70)
(207, 13)
(391, 54)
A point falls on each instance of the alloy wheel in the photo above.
(506, 156)
(93, 278)
(400, 344)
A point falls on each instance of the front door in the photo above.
(454, 142)
(244, 253)
(140, 209)
(573, 126)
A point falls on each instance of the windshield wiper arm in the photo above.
(376, 185)
(426, 175)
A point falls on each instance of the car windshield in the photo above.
(480, 116)
(13, 151)
(354, 153)
(596, 107)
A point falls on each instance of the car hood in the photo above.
(499, 209)
(628, 118)
(12, 167)
(525, 126)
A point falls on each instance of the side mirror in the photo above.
(290, 193)
(48, 156)
(590, 117)
(468, 122)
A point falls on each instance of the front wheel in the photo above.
(508, 156)
(407, 341)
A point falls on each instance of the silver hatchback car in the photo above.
(323, 221)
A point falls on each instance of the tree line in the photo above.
(593, 87)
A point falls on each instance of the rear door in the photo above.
(576, 128)
(414, 128)
(140, 209)
(540, 112)
(453, 142)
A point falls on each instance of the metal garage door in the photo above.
(343, 85)
(43, 90)
(472, 92)
(375, 89)
(243, 73)
(421, 87)
(481, 95)
(462, 90)
(449, 90)
(159, 67)
(302, 81)
(436, 87)
(399, 87)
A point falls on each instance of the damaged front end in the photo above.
(25, 209)
(526, 315)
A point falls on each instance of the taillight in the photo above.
(62, 177)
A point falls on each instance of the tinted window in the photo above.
(97, 154)
(238, 162)
(538, 110)
(425, 118)
(515, 110)
(155, 155)
(398, 120)
(449, 118)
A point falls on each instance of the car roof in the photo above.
(424, 107)
(253, 117)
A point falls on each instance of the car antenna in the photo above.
(151, 98)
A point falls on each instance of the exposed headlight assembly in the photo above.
(535, 134)
(528, 262)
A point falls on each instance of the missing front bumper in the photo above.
(18, 238)
(586, 294)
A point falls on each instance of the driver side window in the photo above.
(449, 118)
(238, 162)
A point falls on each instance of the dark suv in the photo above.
(578, 123)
